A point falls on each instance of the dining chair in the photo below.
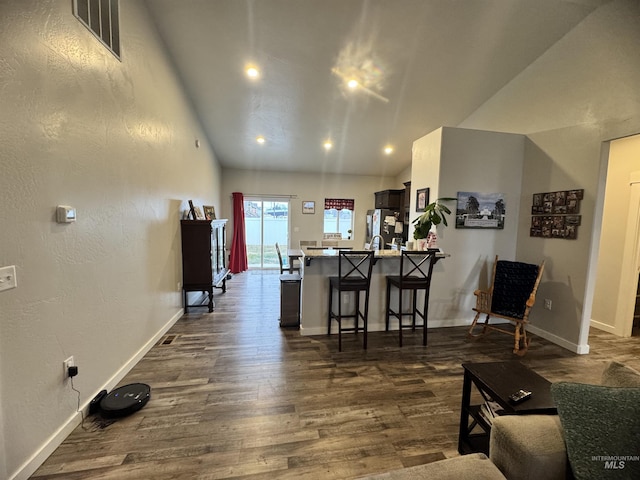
(414, 275)
(284, 269)
(354, 275)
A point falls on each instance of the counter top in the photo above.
(332, 253)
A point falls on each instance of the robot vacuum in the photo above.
(125, 400)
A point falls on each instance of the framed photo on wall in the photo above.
(308, 206)
(422, 199)
(480, 210)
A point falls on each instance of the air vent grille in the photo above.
(102, 18)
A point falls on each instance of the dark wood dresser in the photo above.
(204, 265)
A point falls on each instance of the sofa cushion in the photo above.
(601, 428)
(618, 375)
(529, 447)
(467, 467)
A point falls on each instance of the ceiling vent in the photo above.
(102, 18)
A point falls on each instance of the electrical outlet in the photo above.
(8, 278)
(69, 362)
(547, 304)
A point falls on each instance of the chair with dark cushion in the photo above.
(354, 275)
(416, 268)
(511, 296)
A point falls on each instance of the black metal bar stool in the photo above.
(354, 275)
(416, 268)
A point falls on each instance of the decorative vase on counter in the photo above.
(432, 240)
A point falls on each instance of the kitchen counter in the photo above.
(321, 264)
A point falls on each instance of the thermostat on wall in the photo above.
(65, 214)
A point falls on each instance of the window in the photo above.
(338, 216)
(102, 18)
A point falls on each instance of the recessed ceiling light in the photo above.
(260, 139)
(353, 84)
(327, 145)
(252, 72)
(388, 150)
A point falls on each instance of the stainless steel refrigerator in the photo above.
(382, 222)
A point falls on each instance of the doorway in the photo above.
(266, 222)
(615, 300)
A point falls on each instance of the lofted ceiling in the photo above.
(420, 64)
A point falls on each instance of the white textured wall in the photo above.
(581, 92)
(305, 186)
(451, 160)
(115, 140)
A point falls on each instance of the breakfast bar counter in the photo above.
(321, 264)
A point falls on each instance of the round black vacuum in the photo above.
(125, 400)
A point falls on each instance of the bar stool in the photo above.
(416, 268)
(354, 275)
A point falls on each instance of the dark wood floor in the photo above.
(235, 396)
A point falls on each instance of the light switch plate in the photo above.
(8, 278)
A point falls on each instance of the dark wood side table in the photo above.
(498, 380)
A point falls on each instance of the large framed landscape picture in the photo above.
(480, 210)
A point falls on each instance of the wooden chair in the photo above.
(511, 296)
(294, 269)
(354, 275)
(415, 273)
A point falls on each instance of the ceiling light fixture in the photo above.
(327, 145)
(252, 72)
(260, 139)
(353, 84)
(388, 150)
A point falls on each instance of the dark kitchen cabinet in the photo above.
(389, 199)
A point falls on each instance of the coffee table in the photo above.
(496, 381)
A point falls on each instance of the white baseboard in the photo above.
(573, 347)
(604, 326)
(54, 441)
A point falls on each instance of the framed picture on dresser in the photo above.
(209, 212)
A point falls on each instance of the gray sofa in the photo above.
(594, 424)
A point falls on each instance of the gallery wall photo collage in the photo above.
(556, 214)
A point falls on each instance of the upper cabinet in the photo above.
(390, 199)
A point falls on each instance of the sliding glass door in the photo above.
(266, 222)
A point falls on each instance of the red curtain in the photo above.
(238, 258)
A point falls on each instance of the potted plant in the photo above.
(434, 214)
